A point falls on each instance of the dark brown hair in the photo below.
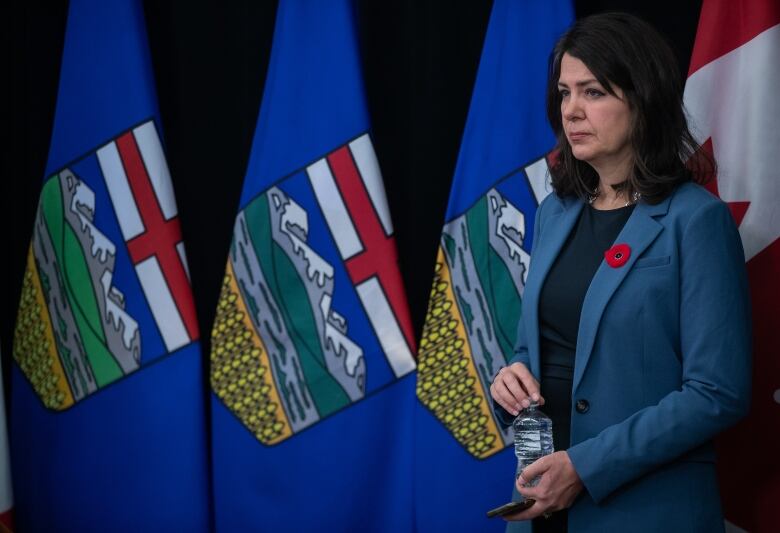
(623, 51)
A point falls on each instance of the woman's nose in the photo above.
(571, 108)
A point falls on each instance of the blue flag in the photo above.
(312, 347)
(108, 428)
(464, 461)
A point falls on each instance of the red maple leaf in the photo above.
(738, 209)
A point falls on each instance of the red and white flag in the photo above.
(732, 98)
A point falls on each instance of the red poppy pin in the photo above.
(618, 255)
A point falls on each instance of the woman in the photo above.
(636, 318)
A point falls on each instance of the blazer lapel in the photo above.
(640, 231)
(558, 228)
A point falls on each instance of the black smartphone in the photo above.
(510, 508)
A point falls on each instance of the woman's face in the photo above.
(596, 123)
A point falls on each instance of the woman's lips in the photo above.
(575, 137)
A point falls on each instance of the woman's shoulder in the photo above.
(699, 215)
(689, 198)
(692, 194)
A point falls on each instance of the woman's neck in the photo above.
(610, 193)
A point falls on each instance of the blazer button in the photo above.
(582, 406)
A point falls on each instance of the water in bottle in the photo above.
(533, 437)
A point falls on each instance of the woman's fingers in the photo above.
(516, 390)
(515, 387)
(529, 384)
(508, 391)
(557, 489)
(535, 469)
(504, 397)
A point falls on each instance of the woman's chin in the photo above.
(581, 154)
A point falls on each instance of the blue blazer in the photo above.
(662, 364)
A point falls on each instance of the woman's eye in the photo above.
(563, 93)
(593, 92)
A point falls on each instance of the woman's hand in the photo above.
(514, 388)
(557, 489)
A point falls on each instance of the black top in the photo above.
(560, 306)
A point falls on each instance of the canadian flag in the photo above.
(732, 99)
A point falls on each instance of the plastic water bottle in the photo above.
(533, 438)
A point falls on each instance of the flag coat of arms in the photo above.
(108, 432)
(312, 347)
(464, 463)
(731, 98)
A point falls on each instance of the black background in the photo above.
(420, 59)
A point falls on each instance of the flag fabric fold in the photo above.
(108, 424)
(312, 347)
(730, 97)
(464, 464)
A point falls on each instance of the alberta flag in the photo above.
(731, 96)
(312, 348)
(107, 405)
(464, 464)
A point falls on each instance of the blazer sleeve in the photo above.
(715, 344)
(521, 343)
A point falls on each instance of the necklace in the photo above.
(597, 192)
